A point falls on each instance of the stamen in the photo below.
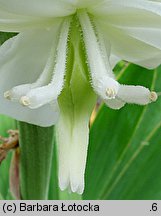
(136, 95)
(43, 95)
(105, 48)
(25, 101)
(101, 80)
(7, 95)
(153, 96)
(130, 94)
(110, 93)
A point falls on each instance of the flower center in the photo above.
(49, 85)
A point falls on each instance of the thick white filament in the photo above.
(103, 85)
(39, 96)
(18, 91)
(136, 95)
(127, 93)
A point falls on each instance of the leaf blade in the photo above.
(114, 155)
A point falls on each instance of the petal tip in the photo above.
(63, 184)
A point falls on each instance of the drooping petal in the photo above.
(72, 139)
(79, 147)
(63, 137)
(76, 102)
(22, 59)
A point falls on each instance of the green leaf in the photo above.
(36, 150)
(124, 156)
(5, 36)
(53, 186)
(1, 197)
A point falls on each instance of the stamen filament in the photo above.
(158, 94)
(18, 91)
(43, 95)
(105, 52)
(101, 81)
(102, 76)
(136, 95)
(7, 95)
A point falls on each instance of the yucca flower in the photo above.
(72, 46)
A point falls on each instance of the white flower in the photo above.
(33, 64)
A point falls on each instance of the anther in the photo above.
(7, 95)
(25, 101)
(153, 96)
(110, 93)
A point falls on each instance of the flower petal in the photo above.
(132, 49)
(133, 28)
(22, 59)
(72, 140)
(78, 153)
(10, 22)
(117, 7)
(150, 36)
(115, 104)
(39, 8)
(114, 60)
